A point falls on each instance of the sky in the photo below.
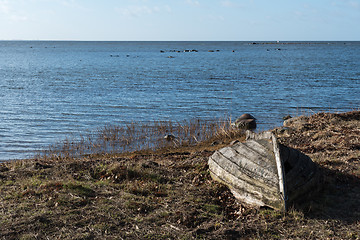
(180, 20)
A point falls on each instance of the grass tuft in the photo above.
(113, 139)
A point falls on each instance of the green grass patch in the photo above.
(79, 189)
(211, 208)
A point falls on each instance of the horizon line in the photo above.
(272, 41)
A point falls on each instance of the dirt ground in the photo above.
(170, 194)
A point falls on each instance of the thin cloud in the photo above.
(231, 4)
(18, 18)
(354, 4)
(4, 7)
(235, 4)
(73, 4)
(68, 3)
(193, 2)
(214, 18)
(10, 14)
(141, 10)
(227, 3)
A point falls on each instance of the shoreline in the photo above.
(37, 153)
(169, 194)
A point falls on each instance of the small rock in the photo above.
(245, 121)
(287, 117)
(169, 137)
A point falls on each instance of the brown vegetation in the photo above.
(114, 139)
(168, 193)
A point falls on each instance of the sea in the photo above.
(50, 90)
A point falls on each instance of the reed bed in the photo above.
(112, 139)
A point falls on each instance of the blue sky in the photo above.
(161, 20)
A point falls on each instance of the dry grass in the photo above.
(168, 193)
(332, 140)
(141, 136)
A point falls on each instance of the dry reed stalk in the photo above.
(141, 136)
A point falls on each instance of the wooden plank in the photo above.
(245, 163)
(235, 182)
(286, 155)
(262, 147)
(307, 187)
(302, 176)
(254, 156)
(240, 195)
(243, 189)
(258, 136)
(253, 178)
(301, 171)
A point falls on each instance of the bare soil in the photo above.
(169, 194)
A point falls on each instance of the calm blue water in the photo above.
(50, 90)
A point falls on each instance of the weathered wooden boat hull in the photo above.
(263, 172)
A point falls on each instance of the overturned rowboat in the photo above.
(263, 172)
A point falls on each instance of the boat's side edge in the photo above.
(280, 170)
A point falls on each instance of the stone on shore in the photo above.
(246, 122)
